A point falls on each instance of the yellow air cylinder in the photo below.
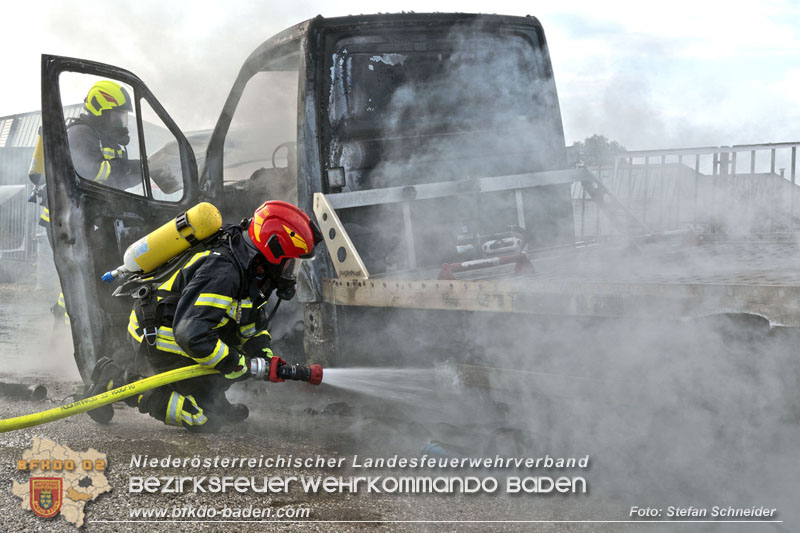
(36, 170)
(161, 245)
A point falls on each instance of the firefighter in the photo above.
(99, 137)
(212, 311)
(98, 140)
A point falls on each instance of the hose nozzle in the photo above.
(260, 369)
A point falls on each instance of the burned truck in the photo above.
(431, 151)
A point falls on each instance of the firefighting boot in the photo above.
(106, 375)
(231, 413)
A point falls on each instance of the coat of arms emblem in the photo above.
(46, 496)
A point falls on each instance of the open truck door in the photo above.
(94, 216)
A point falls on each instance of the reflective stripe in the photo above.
(104, 172)
(172, 409)
(165, 341)
(46, 215)
(133, 325)
(176, 415)
(167, 285)
(195, 257)
(179, 419)
(224, 321)
(235, 310)
(248, 330)
(109, 153)
(170, 346)
(61, 302)
(197, 419)
(220, 351)
(165, 338)
(214, 300)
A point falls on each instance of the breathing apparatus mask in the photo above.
(269, 278)
(281, 277)
(118, 126)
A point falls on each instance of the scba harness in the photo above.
(154, 306)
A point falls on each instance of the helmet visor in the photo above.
(290, 268)
(118, 118)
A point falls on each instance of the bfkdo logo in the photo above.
(81, 479)
(46, 495)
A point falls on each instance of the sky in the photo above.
(649, 75)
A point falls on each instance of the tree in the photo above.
(598, 150)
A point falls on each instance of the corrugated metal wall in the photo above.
(14, 164)
(20, 131)
(18, 217)
(18, 223)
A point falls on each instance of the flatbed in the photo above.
(752, 275)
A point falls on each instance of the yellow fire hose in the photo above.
(105, 398)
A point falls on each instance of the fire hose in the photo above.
(260, 369)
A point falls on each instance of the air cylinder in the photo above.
(171, 239)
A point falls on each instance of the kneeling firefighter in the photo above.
(210, 311)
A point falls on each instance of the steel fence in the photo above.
(728, 189)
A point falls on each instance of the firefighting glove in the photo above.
(256, 345)
(165, 179)
(238, 370)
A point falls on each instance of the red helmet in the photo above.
(281, 231)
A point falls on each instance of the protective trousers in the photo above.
(198, 404)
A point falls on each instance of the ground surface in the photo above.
(679, 452)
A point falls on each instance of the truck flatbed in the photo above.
(666, 280)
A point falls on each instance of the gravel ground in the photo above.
(323, 434)
(286, 419)
(633, 460)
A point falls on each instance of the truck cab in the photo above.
(380, 113)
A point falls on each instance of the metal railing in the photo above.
(732, 189)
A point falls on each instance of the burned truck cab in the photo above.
(427, 99)
(409, 114)
(395, 101)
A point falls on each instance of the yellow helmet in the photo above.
(105, 95)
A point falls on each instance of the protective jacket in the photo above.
(208, 312)
(98, 156)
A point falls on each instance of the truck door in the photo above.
(105, 189)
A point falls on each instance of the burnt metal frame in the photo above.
(549, 297)
(516, 182)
